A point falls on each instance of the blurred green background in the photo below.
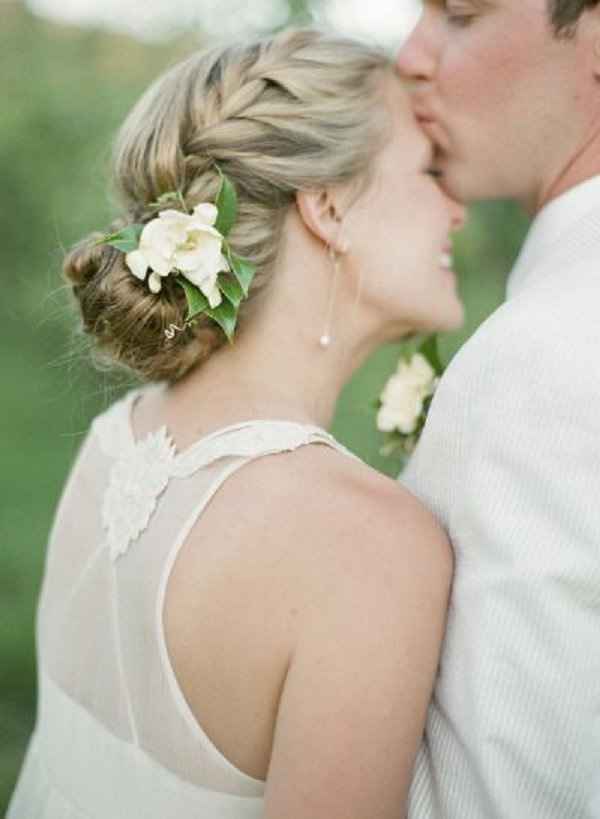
(65, 90)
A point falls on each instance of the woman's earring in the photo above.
(325, 340)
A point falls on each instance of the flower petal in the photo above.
(159, 263)
(213, 294)
(175, 217)
(207, 284)
(205, 255)
(386, 422)
(159, 236)
(206, 212)
(417, 372)
(155, 283)
(137, 263)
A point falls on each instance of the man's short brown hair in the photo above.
(566, 13)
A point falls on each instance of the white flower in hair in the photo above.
(185, 243)
(194, 248)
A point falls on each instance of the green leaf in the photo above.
(196, 300)
(391, 447)
(242, 270)
(226, 317)
(430, 350)
(231, 288)
(225, 314)
(125, 240)
(227, 205)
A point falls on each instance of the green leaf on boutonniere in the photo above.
(196, 300)
(126, 240)
(391, 447)
(242, 270)
(227, 205)
(226, 317)
(430, 350)
(231, 289)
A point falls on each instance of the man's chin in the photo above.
(459, 182)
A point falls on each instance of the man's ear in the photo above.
(319, 210)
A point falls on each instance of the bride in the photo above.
(238, 617)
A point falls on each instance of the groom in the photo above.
(509, 90)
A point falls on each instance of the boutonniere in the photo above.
(405, 400)
(192, 247)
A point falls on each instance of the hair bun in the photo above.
(87, 259)
(127, 321)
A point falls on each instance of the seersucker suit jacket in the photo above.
(510, 463)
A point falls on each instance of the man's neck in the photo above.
(583, 165)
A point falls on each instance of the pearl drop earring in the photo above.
(326, 339)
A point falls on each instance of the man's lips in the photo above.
(423, 116)
(422, 111)
(421, 107)
(431, 126)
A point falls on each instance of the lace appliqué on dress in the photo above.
(137, 479)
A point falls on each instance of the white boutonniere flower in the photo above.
(404, 402)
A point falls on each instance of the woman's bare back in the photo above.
(247, 588)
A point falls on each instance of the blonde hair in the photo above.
(298, 111)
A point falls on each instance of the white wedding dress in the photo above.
(114, 736)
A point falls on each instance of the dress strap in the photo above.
(252, 439)
(143, 469)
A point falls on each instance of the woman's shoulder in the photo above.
(324, 475)
(333, 508)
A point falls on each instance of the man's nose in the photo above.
(416, 58)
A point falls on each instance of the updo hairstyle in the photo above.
(298, 111)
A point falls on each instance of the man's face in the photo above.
(506, 102)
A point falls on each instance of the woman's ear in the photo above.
(319, 210)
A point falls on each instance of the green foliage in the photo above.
(225, 314)
(226, 317)
(125, 240)
(196, 300)
(232, 289)
(227, 205)
(243, 271)
(430, 349)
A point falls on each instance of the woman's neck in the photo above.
(277, 371)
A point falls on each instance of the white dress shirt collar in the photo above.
(550, 226)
